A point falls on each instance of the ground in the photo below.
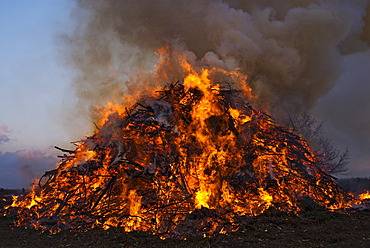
(315, 228)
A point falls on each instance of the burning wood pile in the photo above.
(194, 160)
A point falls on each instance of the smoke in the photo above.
(294, 52)
(291, 50)
(345, 111)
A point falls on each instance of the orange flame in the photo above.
(188, 152)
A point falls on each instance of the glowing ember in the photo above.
(194, 160)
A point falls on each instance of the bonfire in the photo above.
(192, 159)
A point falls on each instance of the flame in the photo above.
(238, 116)
(364, 196)
(109, 109)
(189, 155)
(265, 197)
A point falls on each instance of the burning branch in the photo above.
(195, 160)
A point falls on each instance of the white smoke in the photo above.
(294, 51)
(291, 51)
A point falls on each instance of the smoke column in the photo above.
(293, 51)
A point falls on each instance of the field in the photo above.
(315, 228)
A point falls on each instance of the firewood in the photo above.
(180, 174)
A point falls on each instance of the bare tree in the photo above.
(335, 160)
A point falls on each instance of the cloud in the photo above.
(18, 169)
(4, 128)
(4, 137)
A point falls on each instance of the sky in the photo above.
(33, 81)
(34, 87)
(345, 111)
(36, 94)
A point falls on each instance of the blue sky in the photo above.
(34, 84)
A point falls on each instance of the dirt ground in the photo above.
(311, 229)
